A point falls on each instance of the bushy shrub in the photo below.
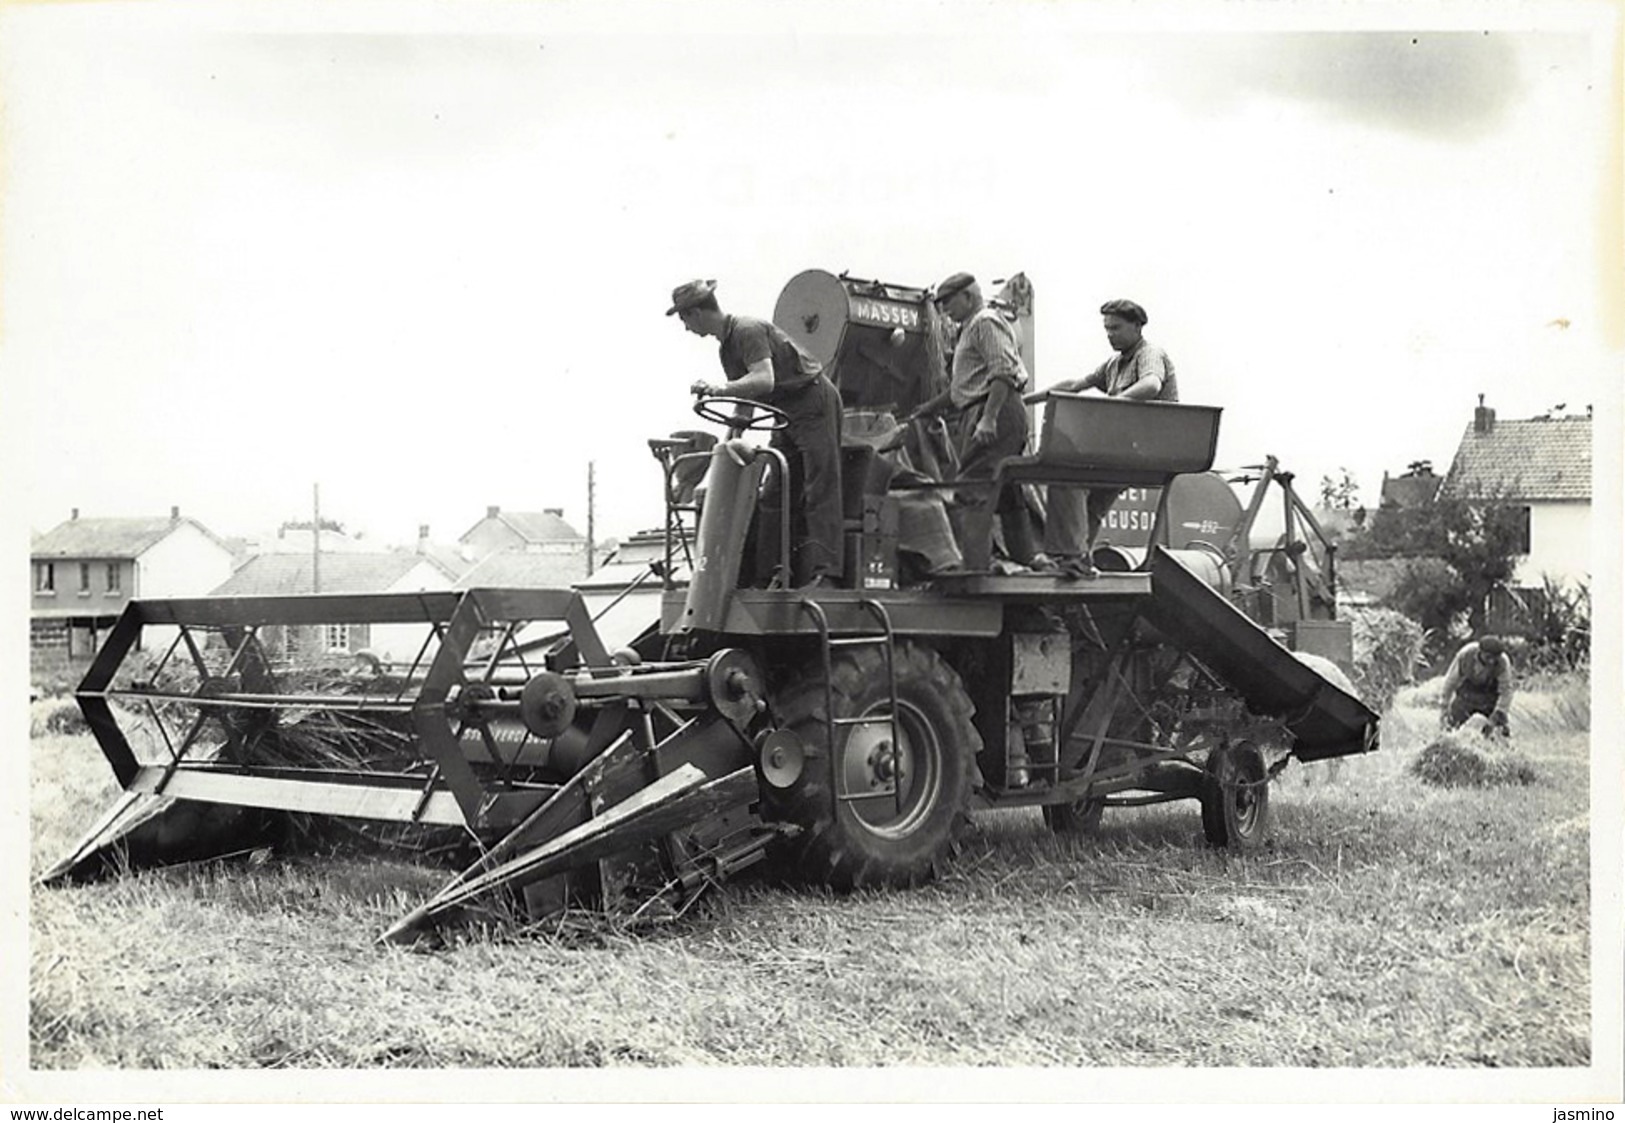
(1387, 651)
(1562, 642)
(57, 718)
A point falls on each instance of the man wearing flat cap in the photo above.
(986, 378)
(1139, 371)
(1479, 681)
(763, 364)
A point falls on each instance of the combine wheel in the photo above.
(1082, 817)
(876, 839)
(1236, 797)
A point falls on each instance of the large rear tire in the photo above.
(882, 837)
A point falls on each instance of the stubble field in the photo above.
(1390, 924)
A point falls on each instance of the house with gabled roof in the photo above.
(1417, 488)
(536, 532)
(394, 571)
(1542, 466)
(455, 560)
(517, 569)
(85, 570)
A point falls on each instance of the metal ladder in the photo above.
(886, 640)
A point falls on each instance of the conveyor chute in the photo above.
(1325, 720)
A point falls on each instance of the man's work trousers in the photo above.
(1073, 517)
(812, 447)
(973, 510)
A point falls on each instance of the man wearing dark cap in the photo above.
(763, 364)
(986, 378)
(1479, 681)
(1139, 371)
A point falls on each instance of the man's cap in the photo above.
(957, 282)
(689, 294)
(1126, 309)
(1491, 645)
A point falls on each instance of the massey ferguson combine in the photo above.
(685, 714)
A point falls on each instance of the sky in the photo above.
(418, 258)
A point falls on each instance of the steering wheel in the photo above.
(769, 419)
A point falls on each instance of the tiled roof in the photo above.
(109, 538)
(1542, 458)
(516, 569)
(534, 526)
(1409, 492)
(281, 574)
(297, 540)
(447, 558)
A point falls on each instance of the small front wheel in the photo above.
(1236, 797)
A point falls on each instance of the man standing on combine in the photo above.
(1140, 371)
(1479, 681)
(763, 364)
(986, 378)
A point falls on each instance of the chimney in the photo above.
(556, 512)
(74, 515)
(174, 514)
(1483, 418)
(492, 512)
(423, 536)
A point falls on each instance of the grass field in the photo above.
(1389, 924)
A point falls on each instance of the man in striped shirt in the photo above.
(1139, 371)
(984, 390)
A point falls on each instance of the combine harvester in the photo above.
(678, 718)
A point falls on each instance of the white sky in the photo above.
(420, 257)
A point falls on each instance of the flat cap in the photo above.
(956, 282)
(688, 294)
(1126, 309)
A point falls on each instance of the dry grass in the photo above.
(1389, 924)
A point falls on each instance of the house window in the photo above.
(84, 579)
(336, 637)
(45, 577)
(1520, 516)
(113, 579)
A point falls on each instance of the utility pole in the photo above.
(592, 548)
(316, 538)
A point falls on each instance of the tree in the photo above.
(1433, 594)
(1480, 540)
(1340, 493)
(1395, 532)
(306, 524)
(1460, 547)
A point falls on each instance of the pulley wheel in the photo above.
(547, 705)
(735, 685)
(782, 755)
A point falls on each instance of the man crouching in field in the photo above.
(1479, 681)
